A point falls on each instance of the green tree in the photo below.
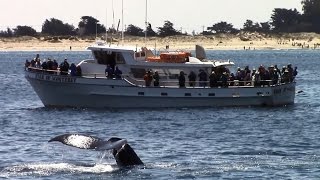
(222, 27)
(265, 27)
(89, 26)
(56, 27)
(7, 33)
(311, 14)
(167, 30)
(134, 30)
(286, 20)
(249, 26)
(24, 31)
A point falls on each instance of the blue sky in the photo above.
(187, 15)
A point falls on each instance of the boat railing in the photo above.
(59, 72)
(165, 83)
(46, 71)
(202, 84)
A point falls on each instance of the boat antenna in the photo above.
(96, 30)
(106, 25)
(146, 23)
(122, 34)
(113, 26)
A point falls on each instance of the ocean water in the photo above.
(201, 143)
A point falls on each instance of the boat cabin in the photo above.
(134, 62)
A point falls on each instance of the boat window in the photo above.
(120, 58)
(105, 57)
(174, 73)
(141, 93)
(164, 94)
(109, 57)
(138, 72)
(187, 94)
(212, 94)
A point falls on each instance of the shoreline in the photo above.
(309, 41)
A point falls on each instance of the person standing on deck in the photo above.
(203, 78)
(148, 79)
(108, 72)
(117, 73)
(192, 79)
(156, 78)
(182, 80)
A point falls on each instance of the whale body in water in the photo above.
(121, 150)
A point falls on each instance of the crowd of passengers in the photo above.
(221, 77)
(113, 72)
(52, 66)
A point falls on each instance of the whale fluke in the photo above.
(122, 151)
(78, 140)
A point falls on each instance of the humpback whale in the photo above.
(121, 150)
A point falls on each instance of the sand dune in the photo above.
(248, 41)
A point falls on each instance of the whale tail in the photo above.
(121, 150)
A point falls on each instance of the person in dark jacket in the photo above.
(192, 79)
(156, 78)
(203, 78)
(182, 80)
(117, 73)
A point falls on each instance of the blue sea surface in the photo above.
(201, 143)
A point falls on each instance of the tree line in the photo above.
(282, 21)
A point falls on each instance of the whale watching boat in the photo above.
(95, 87)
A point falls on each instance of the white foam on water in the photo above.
(53, 168)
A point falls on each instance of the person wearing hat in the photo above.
(213, 79)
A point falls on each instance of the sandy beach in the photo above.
(246, 41)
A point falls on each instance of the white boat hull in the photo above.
(67, 91)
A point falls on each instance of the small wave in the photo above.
(256, 153)
(44, 169)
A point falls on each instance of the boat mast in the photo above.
(122, 34)
(146, 23)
